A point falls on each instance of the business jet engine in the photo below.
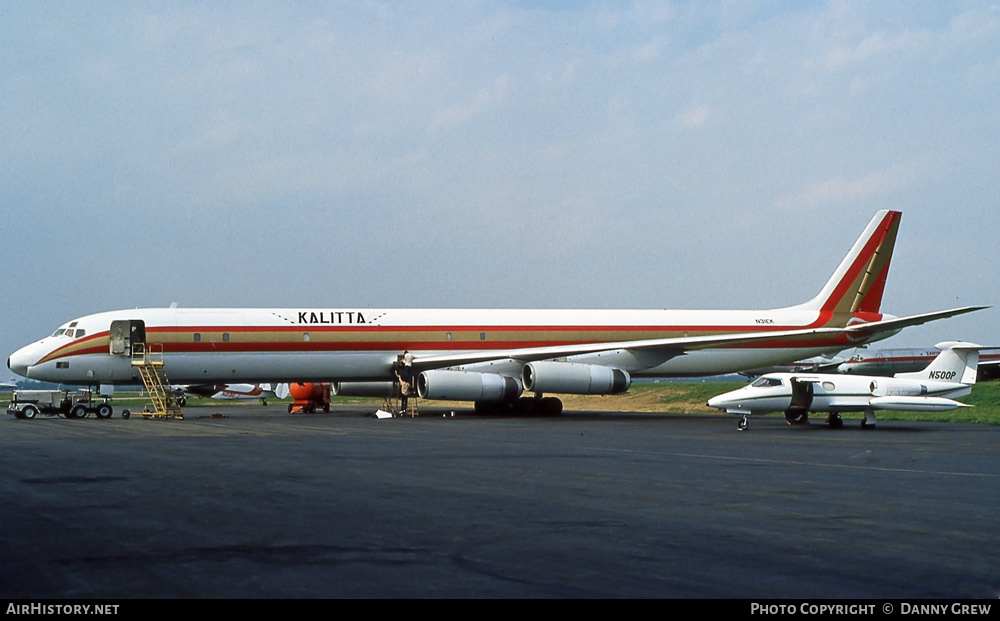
(574, 378)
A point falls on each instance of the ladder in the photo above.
(393, 403)
(149, 362)
(410, 398)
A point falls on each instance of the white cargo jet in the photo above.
(486, 356)
(951, 374)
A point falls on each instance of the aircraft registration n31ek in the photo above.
(490, 357)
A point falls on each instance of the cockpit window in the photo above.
(767, 382)
(70, 332)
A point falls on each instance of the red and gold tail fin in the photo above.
(856, 288)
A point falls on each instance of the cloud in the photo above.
(694, 116)
(841, 189)
(460, 114)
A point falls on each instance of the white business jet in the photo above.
(951, 374)
(487, 356)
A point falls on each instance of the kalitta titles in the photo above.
(334, 318)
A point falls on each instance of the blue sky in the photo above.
(494, 154)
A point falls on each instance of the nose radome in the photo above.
(18, 362)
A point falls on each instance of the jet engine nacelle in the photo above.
(574, 378)
(363, 389)
(467, 386)
(897, 387)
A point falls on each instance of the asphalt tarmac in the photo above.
(265, 504)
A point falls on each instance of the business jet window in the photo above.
(767, 382)
(828, 386)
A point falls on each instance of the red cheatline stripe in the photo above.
(393, 345)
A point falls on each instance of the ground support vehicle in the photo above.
(80, 404)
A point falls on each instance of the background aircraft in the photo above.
(951, 374)
(237, 392)
(888, 362)
(817, 364)
(487, 356)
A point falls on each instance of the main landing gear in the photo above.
(525, 406)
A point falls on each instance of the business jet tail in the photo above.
(957, 362)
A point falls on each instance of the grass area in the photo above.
(688, 397)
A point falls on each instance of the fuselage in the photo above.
(255, 345)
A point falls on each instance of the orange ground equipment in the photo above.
(309, 396)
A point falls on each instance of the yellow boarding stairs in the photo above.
(149, 361)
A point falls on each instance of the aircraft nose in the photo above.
(19, 361)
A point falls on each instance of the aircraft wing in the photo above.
(667, 348)
(670, 347)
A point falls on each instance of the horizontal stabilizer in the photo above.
(898, 323)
